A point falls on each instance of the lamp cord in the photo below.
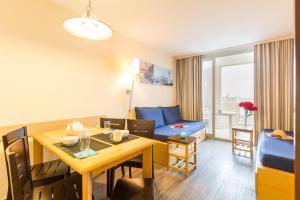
(130, 101)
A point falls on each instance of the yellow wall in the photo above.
(47, 74)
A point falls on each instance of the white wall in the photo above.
(47, 74)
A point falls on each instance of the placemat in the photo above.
(106, 138)
(94, 145)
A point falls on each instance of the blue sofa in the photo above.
(165, 118)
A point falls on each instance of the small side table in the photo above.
(180, 151)
(241, 143)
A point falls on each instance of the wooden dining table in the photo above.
(92, 166)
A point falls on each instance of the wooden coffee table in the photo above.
(180, 151)
(242, 142)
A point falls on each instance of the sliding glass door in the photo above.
(207, 94)
(227, 81)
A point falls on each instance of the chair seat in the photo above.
(136, 162)
(48, 172)
(66, 189)
(134, 189)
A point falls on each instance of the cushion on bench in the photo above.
(192, 127)
(150, 113)
(171, 114)
(276, 153)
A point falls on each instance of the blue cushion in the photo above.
(171, 114)
(150, 113)
(190, 128)
(276, 153)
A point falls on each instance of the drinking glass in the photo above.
(107, 126)
(84, 141)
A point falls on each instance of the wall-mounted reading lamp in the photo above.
(134, 70)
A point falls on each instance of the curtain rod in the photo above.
(235, 47)
(276, 39)
(216, 51)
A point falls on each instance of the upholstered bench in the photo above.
(274, 168)
(165, 118)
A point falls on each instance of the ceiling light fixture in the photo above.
(88, 26)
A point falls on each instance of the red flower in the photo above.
(248, 106)
(254, 108)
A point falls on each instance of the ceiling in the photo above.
(182, 27)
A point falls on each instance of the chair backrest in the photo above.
(19, 173)
(73, 187)
(9, 139)
(115, 123)
(143, 128)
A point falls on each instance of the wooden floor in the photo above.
(219, 175)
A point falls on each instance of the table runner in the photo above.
(106, 138)
(94, 145)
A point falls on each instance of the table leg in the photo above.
(147, 162)
(108, 179)
(37, 153)
(187, 160)
(168, 149)
(233, 140)
(177, 146)
(195, 154)
(251, 145)
(230, 125)
(87, 186)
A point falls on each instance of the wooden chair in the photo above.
(134, 189)
(142, 128)
(21, 182)
(115, 123)
(41, 174)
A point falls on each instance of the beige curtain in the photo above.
(189, 87)
(274, 85)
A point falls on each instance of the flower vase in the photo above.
(246, 117)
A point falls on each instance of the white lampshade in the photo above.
(135, 66)
(88, 26)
